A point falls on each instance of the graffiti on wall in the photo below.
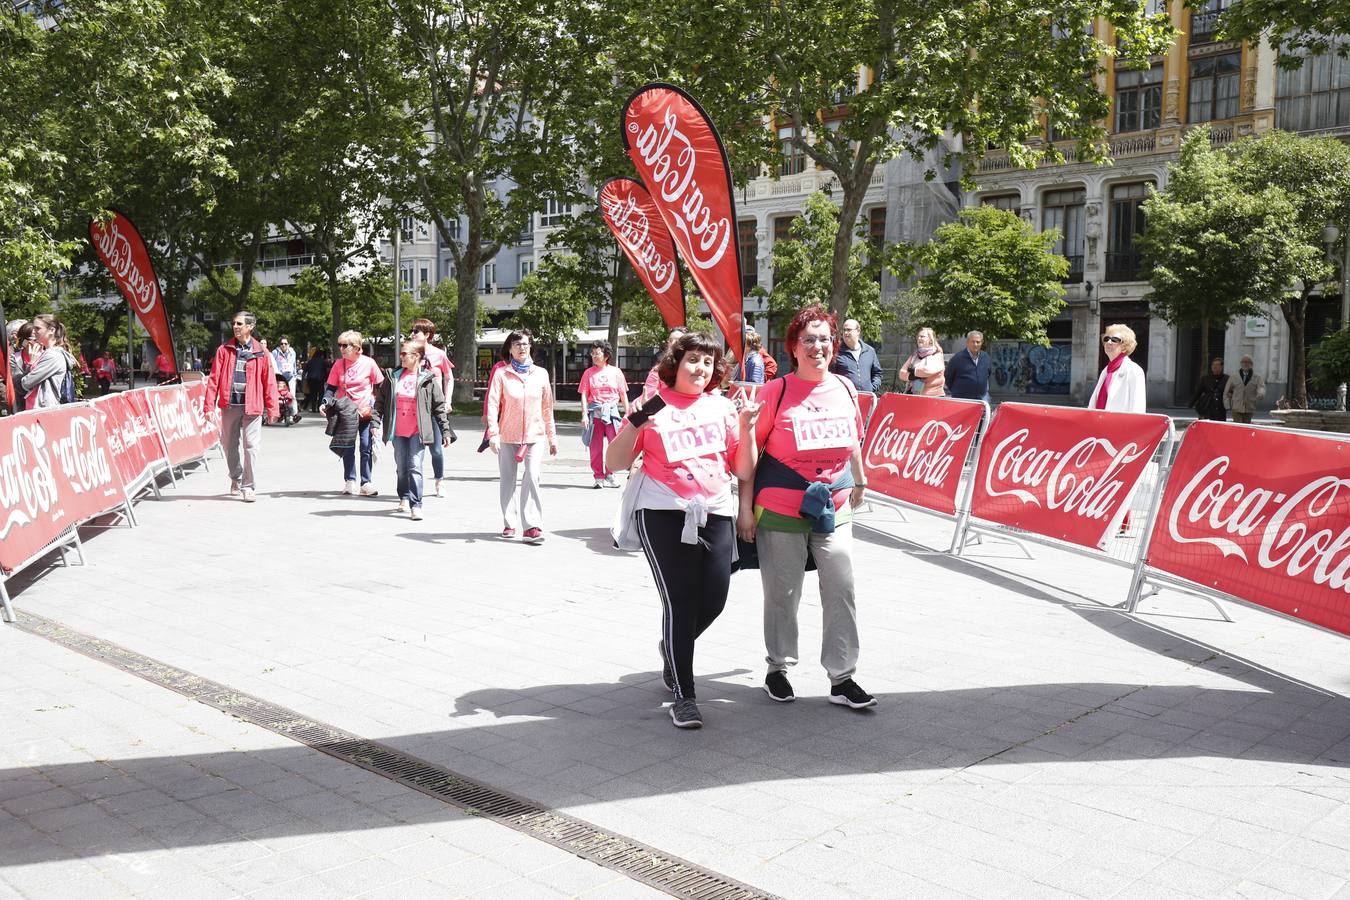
(1022, 368)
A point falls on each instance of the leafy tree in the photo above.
(803, 269)
(643, 319)
(1295, 26)
(989, 72)
(990, 271)
(1330, 360)
(441, 306)
(555, 305)
(1214, 251)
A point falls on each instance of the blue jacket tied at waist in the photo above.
(818, 497)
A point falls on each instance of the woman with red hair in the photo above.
(807, 483)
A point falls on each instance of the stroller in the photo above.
(290, 411)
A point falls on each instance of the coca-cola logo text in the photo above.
(924, 456)
(85, 465)
(115, 249)
(633, 227)
(27, 488)
(671, 172)
(1059, 475)
(1209, 510)
(176, 421)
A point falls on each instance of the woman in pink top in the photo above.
(680, 503)
(413, 409)
(603, 390)
(520, 422)
(653, 381)
(925, 366)
(807, 483)
(438, 361)
(354, 377)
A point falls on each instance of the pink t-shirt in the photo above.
(604, 384)
(814, 433)
(650, 386)
(438, 361)
(405, 405)
(691, 443)
(356, 381)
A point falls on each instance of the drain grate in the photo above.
(669, 874)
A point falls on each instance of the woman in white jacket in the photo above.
(1120, 387)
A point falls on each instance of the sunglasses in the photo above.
(342, 346)
(1112, 339)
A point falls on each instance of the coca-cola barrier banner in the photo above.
(629, 212)
(132, 436)
(1261, 515)
(679, 157)
(208, 420)
(183, 426)
(1062, 472)
(917, 446)
(120, 248)
(56, 470)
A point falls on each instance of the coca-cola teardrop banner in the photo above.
(121, 249)
(56, 470)
(5, 372)
(917, 446)
(629, 212)
(680, 158)
(1061, 472)
(1261, 515)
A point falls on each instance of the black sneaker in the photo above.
(778, 687)
(847, 693)
(667, 674)
(685, 714)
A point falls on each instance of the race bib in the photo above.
(686, 440)
(822, 430)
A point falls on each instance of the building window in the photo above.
(487, 282)
(1065, 210)
(450, 269)
(1139, 98)
(1127, 221)
(782, 232)
(794, 159)
(405, 229)
(526, 266)
(1205, 19)
(1214, 88)
(1315, 95)
(749, 254)
(405, 277)
(876, 226)
(1011, 202)
(424, 275)
(554, 213)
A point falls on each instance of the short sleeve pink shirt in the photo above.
(604, 384)
(356, 381)
(814, 433)
(690, 444)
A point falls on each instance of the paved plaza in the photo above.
(1030, 740)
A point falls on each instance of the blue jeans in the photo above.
(349, 456)
(437, 451)
(408, 459)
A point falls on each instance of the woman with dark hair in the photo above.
(603, 389)
(438, 361)
(649, 387)
(412, 408)
(520, 420)
(47, 363)
(807, 483)
(679, 507)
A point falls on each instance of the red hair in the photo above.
(813, 313)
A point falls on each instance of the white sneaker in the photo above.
(611, 481)
(417, 513)
(349, 487)
(248, 495)
(368, 490)
(599, 483)
(403, 506)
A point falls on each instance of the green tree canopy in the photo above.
(555, 304)
(990, 271)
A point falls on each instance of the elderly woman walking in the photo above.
(354, 378)
(520, 424)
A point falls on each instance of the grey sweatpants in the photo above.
(782, 568)
(521, 508)
(237, 429)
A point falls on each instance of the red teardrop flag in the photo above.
(121, 249)
(629, 212)
(680, 158)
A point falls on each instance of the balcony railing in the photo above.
(1204, 25)
(792, 165)
(1122, 265)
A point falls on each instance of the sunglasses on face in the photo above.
(345, 346)
(1112, 339)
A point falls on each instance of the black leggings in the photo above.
(692, 579)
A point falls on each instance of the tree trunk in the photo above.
(854, 191)
(335, 304)
(1204, 345)
(466, 327)
(1294, 316)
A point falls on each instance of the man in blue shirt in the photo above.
(857, 361)
(968, 370)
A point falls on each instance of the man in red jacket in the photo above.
(241, 384)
